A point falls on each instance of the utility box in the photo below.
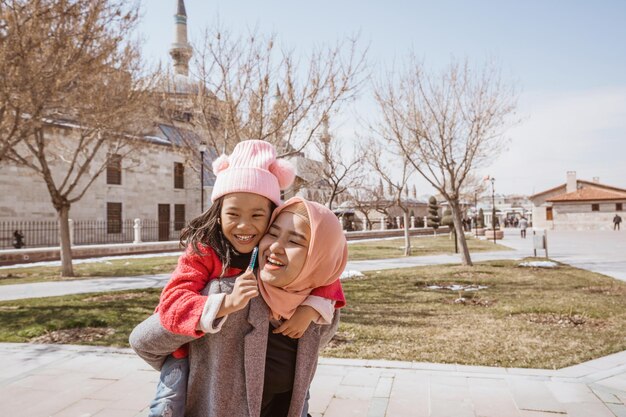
(540, 241)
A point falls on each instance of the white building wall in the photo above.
(539, 218)
(540, 206)
(579, 216)
(147, 180)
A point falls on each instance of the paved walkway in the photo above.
(602, 251)
(598, 251)
(80, 381)
(50, 289)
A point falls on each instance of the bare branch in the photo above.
(446, 124)
(75, 85)
(260, 91)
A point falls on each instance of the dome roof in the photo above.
(182, 84)
(179, 84)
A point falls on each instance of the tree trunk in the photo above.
(64, 233)
(460, 234)
(368, 223)
(331, 199)
(407, 238)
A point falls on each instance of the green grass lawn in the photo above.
(527, 317)
(114, 268)
(104, 319)
(376, 249)
(420, 246)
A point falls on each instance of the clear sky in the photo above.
(567, 58)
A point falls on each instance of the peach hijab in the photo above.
(325, 261)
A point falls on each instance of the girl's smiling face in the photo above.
(244, 218)
(283, 249)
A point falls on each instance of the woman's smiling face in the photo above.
(283, 249)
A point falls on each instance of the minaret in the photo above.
(325, 138)
(181, 50)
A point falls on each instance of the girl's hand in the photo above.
(245, 289)
(298, 323)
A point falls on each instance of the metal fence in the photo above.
(36, 234)
(93, 232)
(17, 234)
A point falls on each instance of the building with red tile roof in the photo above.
(578, 205)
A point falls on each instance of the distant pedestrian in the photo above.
(523, 225)
(18, 239)
(616, 221)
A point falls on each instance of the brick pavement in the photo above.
(81, 381)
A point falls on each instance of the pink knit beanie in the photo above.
(252, 168)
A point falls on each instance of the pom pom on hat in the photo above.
(284, 172)
(220, 164)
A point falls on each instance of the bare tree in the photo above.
(11, 119)
(100, 109)
(366, 197)
(396, 182)
(474, 187)
(24, 59)
(251, 89)
(446, 124)
(339, 169)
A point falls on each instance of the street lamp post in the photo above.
(202, 149)
(475, 214)
(493, 208)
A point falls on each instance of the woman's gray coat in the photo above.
(227, 368)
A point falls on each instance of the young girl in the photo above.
(248, 369)
(218, 244)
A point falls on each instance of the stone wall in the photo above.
(577, 216)
(147, 180)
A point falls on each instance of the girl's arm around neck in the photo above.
(333, 292)
(181, 303)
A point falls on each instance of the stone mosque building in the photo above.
(159, 184)
(163, 185)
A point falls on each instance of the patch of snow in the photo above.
(458, 287)
(351, 274)
(540, 264)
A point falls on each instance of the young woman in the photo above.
(219, 243)
(246, 368)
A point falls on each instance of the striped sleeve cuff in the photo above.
(208, 322)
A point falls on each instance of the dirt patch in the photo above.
(116, 297)
(475, 301)
(69, 336)
(340, 338)
(470, 275)
(605, 290)
(11, 276)
(9, 308)
(561, 320)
